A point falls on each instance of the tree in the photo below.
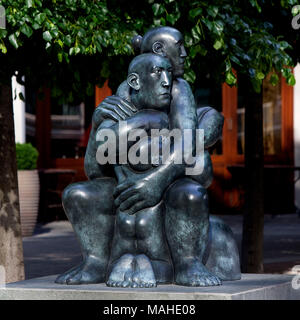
(10, 229)
(71, 45)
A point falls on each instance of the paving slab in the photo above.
(250, 287)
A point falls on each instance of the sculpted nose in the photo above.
(183, 52)
(166, 81)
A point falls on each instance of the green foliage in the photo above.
(222, 35)
(49, 41)
(27, 156)
(71, 45)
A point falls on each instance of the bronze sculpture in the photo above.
(159, 217)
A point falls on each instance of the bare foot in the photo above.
(89, 271)
(134, 272)
(143, 276)
(193, 273)
(62, 279)
(121, 274)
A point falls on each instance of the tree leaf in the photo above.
(40, 18)
(158, 9)
(60, 57)
(274, 79)
(190, 76)
(26, 30)
(235, 60)
(295, 10)
(171, 18)
(3, 33)
(188, 40)
(260, 75)
(47, 36)
(212, 11)
(218, 44)
(29, 3)
(3, 48)
(72, 51)
(68, 40)
(13, 40)
(196, 33)
(195, 12)
(230, 78)
(291, 80)
(218, 27)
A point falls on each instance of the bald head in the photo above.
(150, 77)
(143, 62)
(162, 34)
(167, 42)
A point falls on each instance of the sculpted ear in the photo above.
(158, 48)
(133, 81)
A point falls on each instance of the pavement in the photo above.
(53, 248)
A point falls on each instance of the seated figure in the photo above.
(140, 255)
(201, 251)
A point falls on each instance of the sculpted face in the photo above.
(151, 77)
(174, 50)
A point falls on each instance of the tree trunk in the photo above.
(11, 248)
(253, 223)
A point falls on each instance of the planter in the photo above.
(29, 193)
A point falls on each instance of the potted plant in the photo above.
(29, 186)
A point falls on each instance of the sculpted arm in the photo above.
(91, 166)
(111, 110)
(212, 122)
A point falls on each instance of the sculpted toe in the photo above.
(63, 278)
(75, 279)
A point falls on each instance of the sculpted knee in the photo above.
(126, 225)
(74, 193)
(187, 195)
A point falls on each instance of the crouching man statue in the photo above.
(139, 225)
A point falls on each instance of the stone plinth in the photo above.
(250, 287)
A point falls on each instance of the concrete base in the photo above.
(250, 287)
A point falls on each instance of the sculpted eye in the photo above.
(156, 70)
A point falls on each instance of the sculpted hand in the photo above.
(115, 108)
(138, 190)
